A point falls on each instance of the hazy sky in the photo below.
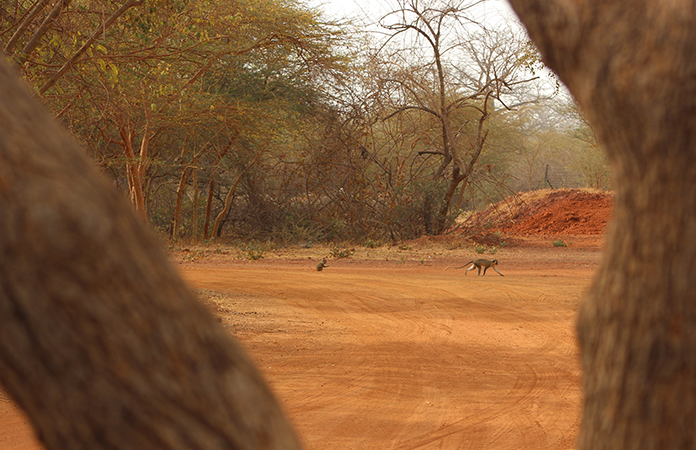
(489, 11)
(342, 8)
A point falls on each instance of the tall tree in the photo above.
(630, 65)
(465, 67)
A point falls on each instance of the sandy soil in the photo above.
(386, 350)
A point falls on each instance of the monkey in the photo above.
(322, 264)
(479, 263)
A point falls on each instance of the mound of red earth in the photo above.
(545, 213)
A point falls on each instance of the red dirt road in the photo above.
(392, 352)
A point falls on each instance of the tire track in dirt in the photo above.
(519, 406)
(376, 355)
(421, 359)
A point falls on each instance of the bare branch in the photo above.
(407, 108)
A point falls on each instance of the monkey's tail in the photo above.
(460, 267)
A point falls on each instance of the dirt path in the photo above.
(401, 355)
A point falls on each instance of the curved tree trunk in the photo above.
(101, 343)
(631, 65)
(230, 195)
(461, 175)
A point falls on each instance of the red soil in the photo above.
(545, 213)
(386, 350)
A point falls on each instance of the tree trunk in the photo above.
(135, 167)
(101, 342)
(442, 214)
(208, 207)
(630, 64)
(194, 181)
(180, 190)
(228, 198)
(458, 176)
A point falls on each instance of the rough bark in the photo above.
(101, 343)
(630, 64)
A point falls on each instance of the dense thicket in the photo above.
(262, 120)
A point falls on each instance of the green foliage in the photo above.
(341, 252)
(269, 97)
(191, 256)
(254, 251)
(595, 169)
(492, 250)
(559, 243)
(370, 243)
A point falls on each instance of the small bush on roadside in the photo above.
(369, 243)
(254, 251)
(339, 253)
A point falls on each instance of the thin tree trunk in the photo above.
(458, 176)
(630, 65)
(211, 186)
(194, 228)
(134, 170)
(228, 198)
(181, 190)
(208, 207)
(42, 30)
(102, 343)
(176, 218)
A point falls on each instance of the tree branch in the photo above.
(43, 29)
(92, 39)
(24, 25)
